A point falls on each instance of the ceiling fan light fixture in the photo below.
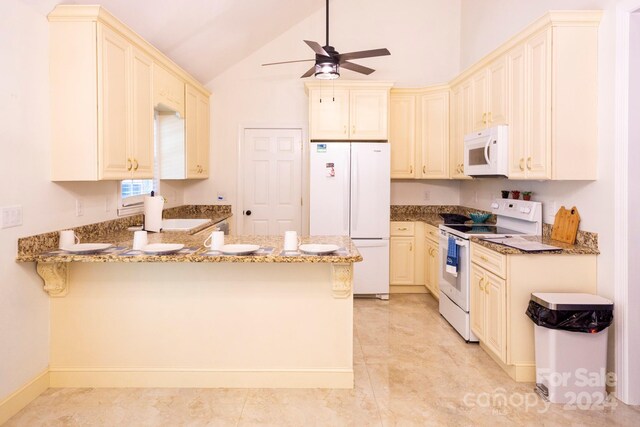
(327, 71)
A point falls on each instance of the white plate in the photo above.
(162, 248)
(87, 248)
(239, 249)
(318, 249)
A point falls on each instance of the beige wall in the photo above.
(422, 35)
(24, 174)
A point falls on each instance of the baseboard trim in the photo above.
(519, 372)
(199, 378)
(17, 400)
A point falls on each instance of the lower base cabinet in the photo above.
(501, 287)
(431, 260)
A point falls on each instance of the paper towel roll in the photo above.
(153, 213)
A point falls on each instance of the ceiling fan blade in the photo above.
(288, 62)
(309, 72)
(363, 54)
(319, 50)
(357, 68)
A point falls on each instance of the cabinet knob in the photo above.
(529, 163)
(424, 169)
(345, 129)
(411, 169)
(484, 118)
(522, 164)
(480, 284)
(135, 165)
(129, 164)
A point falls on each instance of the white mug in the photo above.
(291, 241)
(140, 240)
(68, 238)
(216, 240)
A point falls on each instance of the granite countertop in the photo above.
(566, 249)
(194, 251)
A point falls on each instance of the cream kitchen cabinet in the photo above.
(543, 83)
(420, 133)
(461, 117)
(406, 257)
(402, 135)
(431, 260)
(348, 111)
(102, 96)
(501, 286)
(197, 133)
(168, 91)
(490, 95)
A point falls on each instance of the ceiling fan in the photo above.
(328, 60)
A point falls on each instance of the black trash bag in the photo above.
(587, 321)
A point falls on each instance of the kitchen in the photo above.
(456, 34)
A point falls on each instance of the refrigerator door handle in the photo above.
(356, 185)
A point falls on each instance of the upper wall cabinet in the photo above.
(420, 133)
(543, 84)
(343, 111)
(103, 96)
(168, 90)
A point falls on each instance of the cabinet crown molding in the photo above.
(97, 13)
(553, 18)
(348, 84)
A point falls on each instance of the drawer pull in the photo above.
(484, 258)
(402, 228)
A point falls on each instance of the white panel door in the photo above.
(329, 171)
(272, 190)
(370, 190)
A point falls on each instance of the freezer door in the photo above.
(330, 176)
(370, 190)
(371, 276)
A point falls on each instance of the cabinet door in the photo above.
(141, 149)
(466, 91)
(516, 65)
(329, 114)
(480, 94)
(191, 132)
(369, 114)
(203, 135)
(431, 267)
(538, 161)
(401, 260)
(434, 134)
(495, 334)
(456, 133)
(498, 100)
(402, 135)
(113, 105)
(477, 306)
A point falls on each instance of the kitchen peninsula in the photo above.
(200, 320)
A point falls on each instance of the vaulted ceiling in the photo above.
(205, 37)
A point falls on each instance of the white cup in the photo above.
(291, 241)
(216, 240)
(68, 238)
(140, 240)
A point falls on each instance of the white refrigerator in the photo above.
(350, 195)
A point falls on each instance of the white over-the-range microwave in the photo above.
(486, 153)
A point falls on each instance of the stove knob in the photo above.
(525, 210)
(494, 205)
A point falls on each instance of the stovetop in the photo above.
(467, 230)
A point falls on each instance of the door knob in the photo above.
(247, 213)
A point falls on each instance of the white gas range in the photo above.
(513, 218)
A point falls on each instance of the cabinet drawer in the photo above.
(432, 233)
(490, 260)
(402, 228)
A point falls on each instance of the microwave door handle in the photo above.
(486, 151)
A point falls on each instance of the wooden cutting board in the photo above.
(565, 225)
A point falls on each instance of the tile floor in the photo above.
(411, 369)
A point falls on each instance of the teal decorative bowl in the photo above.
(478, 217)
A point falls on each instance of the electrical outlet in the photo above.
(427, 196)
(11, 216)
(79, 207)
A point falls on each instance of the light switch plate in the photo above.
(11, 216)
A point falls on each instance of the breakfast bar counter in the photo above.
(269, 319)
